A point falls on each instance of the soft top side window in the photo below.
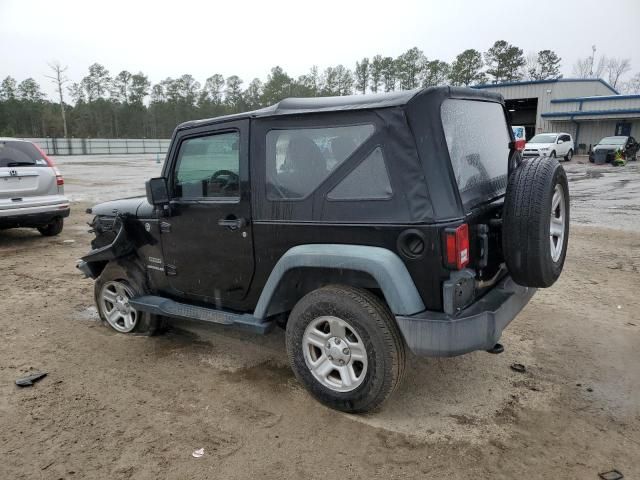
(299, 160)
(208, 167)
(368, 181)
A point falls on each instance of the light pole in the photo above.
(593, 58)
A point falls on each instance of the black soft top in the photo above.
(409, 127)
(293, 106)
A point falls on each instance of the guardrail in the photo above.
(101, 146)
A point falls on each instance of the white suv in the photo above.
(31, 189)
(550, 145)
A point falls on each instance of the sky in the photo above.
(246, 38)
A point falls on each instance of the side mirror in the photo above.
(157, 192)
(560, 142)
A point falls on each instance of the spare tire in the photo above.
(535, 222)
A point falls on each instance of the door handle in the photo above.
(233, 223)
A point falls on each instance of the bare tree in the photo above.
(632, 86)
(615, 68)
(529, 68)
(59, 79)
(584, 67)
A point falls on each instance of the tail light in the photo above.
(457, 247)
(59, 179)
(520, 144)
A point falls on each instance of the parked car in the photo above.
(553, 145)
(31, 189)
(610, 145)
(364, 225)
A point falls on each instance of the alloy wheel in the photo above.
(115, 307)
(335, 354)
(557, 223)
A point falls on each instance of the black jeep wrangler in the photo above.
(364, 225)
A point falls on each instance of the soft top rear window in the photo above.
(17, 154)
(478, 141)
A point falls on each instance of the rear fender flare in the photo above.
(383, 265)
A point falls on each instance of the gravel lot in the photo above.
(116, 407)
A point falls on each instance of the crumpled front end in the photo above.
(112, 241)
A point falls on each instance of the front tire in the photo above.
(120, 281)
(552, 155)
(344, 346)
(569, 156)
(52, 229)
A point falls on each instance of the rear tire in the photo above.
(535, 229)
(362, 375)
(53, 228)
(119, 281)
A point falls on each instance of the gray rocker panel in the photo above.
(170, 308)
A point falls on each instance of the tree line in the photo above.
(128, 105)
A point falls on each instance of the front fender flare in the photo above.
(383, 265)
(93, 262)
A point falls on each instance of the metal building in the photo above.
(588, 109)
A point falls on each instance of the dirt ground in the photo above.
(120, 407)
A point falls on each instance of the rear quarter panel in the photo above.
(273, 239)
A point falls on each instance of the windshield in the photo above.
(16, 154)
(478, 141)
(613, 141)
(543, 138)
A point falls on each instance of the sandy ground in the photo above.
(122, 407)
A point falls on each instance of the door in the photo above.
(631, 148)
(206, 240)
(623, 129)
(566, 144)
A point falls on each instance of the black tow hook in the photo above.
(497, 348)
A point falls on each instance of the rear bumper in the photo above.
(32, 216)
(478, 327)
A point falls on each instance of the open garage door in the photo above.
(523, 111)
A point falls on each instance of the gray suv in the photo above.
(31, 189)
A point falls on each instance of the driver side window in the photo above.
(208, 167)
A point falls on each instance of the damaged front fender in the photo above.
(94, 262)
